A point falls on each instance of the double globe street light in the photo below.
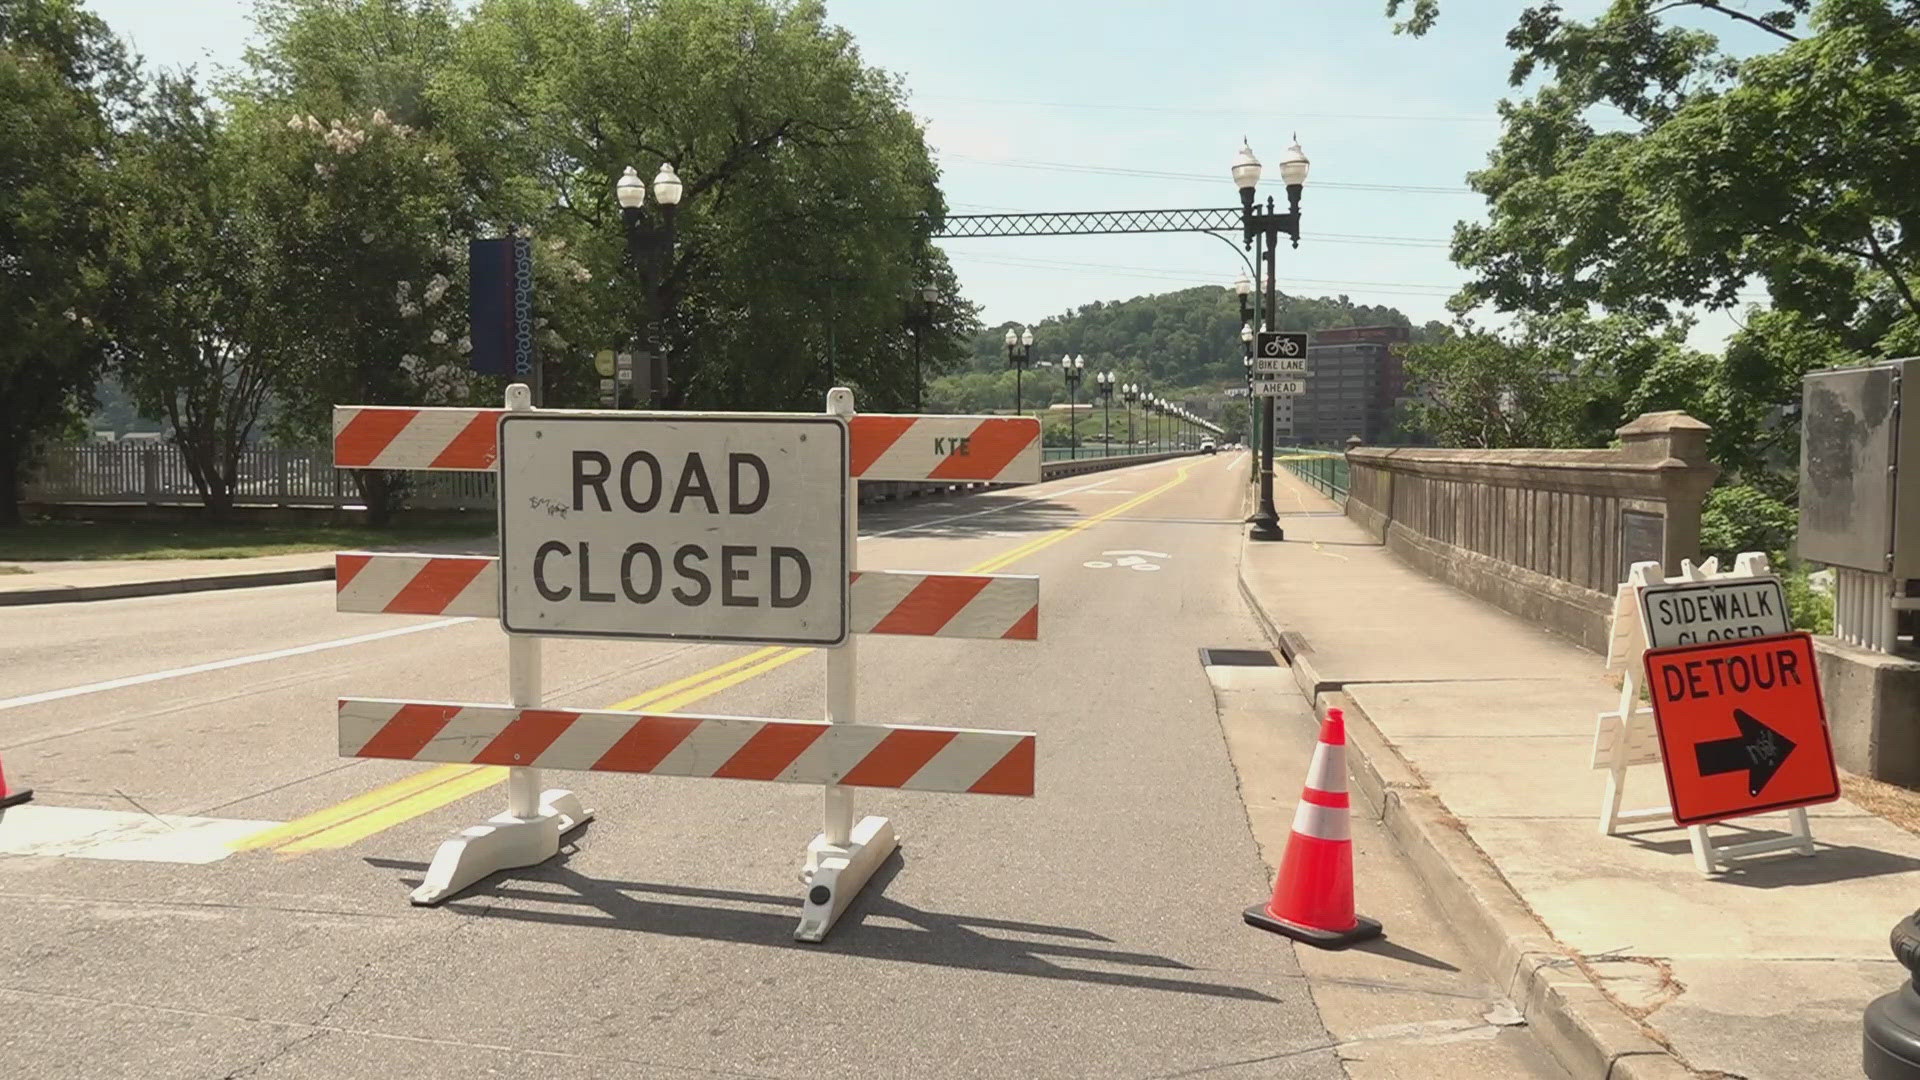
(1103, 381)
(650, 256)
(1266, 226)
(1019, 349)
(1073, 368)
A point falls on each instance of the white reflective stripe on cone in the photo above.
(1321, 822)
(1329, 770)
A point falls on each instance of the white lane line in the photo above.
(75, 832)
(220, 665)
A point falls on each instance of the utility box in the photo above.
(1860, 469)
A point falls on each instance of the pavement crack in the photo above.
(273, 1055)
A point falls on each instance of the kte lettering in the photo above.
(951, 445)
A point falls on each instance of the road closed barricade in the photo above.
(729, 528)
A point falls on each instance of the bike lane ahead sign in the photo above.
(1742, 727)
(676, 526)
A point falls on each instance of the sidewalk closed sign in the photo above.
(1693, 612)
(1742, 727)
(675, 526)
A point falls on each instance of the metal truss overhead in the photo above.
(1093, 222)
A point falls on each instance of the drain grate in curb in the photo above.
(1238, 658)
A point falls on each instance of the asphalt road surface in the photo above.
(203, 888)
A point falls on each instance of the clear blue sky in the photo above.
(1011, 90)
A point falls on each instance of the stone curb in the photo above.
(1584, 1030)
(165, 586)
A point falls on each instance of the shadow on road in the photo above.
(1781, 869)
(875, 926)
(971, 515)
(1386, 947)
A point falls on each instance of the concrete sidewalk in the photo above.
(1473, 731)
(113, 579)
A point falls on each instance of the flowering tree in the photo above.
(369, 243)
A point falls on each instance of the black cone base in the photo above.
(1363, 929)
(16, 798)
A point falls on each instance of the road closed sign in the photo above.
(716, 527)
(1693, 612)
(1742, 727)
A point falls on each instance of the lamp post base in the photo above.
(1890, 1035)
(1266, 527)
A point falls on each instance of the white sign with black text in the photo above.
(1695, 612)
(1279, 365)
(1279, 387)
(676, 526)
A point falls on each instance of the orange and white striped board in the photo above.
(1004, 606)
(392, 437)
(999, 606)
(999, 449)
(723, 747)
(416, 584)
(1002, 449)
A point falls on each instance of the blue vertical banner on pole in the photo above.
(500, 308)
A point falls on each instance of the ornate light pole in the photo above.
(1104, 381)
(1266, 226)
(1073, 367)
(921, 317)
(1018, 348)
(650, 254)
(1129, 394)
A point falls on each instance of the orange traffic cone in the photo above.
(1313, 895)
(10, 798)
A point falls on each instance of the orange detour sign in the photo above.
(1742, 727)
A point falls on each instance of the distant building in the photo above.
(1355, 380)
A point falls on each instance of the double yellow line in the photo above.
(349, 822)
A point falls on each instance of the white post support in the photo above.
(1625, 737)
(844, 856)
(529, 831)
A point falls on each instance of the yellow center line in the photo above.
(355, 819)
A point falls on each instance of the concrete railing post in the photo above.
(1678, 443)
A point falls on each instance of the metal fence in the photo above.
(1326, 470)
(156, 474)
(1100, 450)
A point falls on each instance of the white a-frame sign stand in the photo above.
(1626, 737)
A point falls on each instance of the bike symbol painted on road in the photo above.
(1129, 560)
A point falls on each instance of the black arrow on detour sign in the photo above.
(1759, 751)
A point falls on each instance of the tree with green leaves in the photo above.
(1650, 169)
(1476, 389)
(63, 79)
(808, 192)
(1789, 169)
(193, 341)
(368, 241)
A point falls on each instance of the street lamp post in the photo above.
(1073, 367)
(1266, 226)
(922, 324)
(1019, 346)
(1129, 394)
(1104, 381)
(650, 255)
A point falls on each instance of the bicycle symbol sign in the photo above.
(1282, 343)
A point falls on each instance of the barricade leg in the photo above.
(844, 856)
(1610, 802)
(529, 832)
